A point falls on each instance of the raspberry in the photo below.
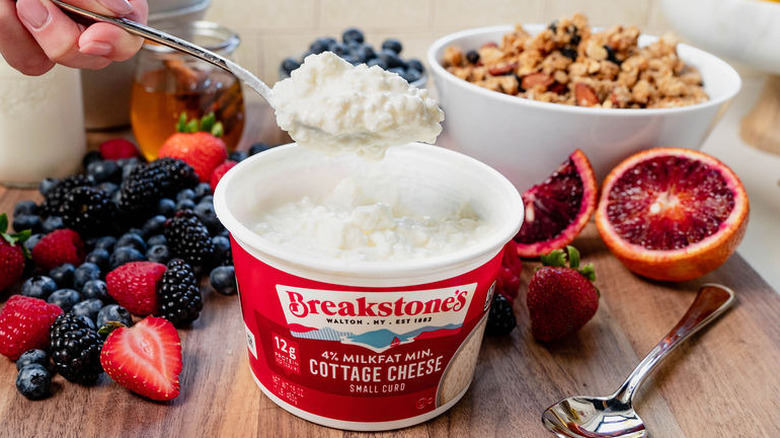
(219, 172)
(501, 319)
(75, 349)
(134, 286)
(117, 148)
(508, 281)
(57, 248)
(189, 239)
(178, 294)
(145, 186)
(87, 210)
(24, 325)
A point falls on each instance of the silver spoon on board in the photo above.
(614, 416)
(175, 43)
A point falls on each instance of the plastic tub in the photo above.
(366, 345)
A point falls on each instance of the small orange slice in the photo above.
(672, 214)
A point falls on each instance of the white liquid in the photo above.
(41, 125)
(330, 105)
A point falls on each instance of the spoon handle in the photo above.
(175, 43)
(711, 301)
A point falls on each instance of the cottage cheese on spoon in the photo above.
(329, 105)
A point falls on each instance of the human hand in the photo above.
(36, 34)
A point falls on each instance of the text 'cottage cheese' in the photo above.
(330, 105)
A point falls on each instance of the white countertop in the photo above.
(760, 173)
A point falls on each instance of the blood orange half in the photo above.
(558, 209)
(672, 214)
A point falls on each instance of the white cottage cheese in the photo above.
(330, 105)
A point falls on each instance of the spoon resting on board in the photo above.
(614, 416)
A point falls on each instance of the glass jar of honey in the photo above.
(168, 83)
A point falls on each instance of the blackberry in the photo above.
(75, 349)
(56, 194)
(88, 211)
(147, 184)
(501, 319)
(189, 239)
(178, 294)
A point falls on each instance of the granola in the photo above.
(568, 64)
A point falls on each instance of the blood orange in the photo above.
(672, 214)
(558, 209)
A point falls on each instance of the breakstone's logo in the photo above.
(375, 320)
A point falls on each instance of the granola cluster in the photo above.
(567, 63)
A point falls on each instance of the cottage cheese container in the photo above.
(365, 284)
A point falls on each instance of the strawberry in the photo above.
(561, 299)
(118, 148)
(219, 172)
(24, 325)
(198, 144)
(145, 358)
(134, 286)
(57, 248)
(12, 254)
(508, 281)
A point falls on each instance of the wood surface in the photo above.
(761, 127)
(723, 382)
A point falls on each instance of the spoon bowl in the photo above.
(614, 416)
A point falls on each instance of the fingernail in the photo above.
(33, 13)
(119, 7)
(96, 48)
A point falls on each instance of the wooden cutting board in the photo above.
(723, 382)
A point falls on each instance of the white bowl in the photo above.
(526, 140)
(746, 31)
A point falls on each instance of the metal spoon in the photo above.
(175, 43)
(614, 416)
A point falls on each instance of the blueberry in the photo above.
(159, 254)
(207, 215)
(114, 312)
(157, 239)
(105, 242)
(472, 56)
(237, 156)
(52, 223)
(135, 230)
(353, 34)
(88, 308)
(123, 162)
(27, 222)
(223, 280)
(65, 298)
(25, 207)
(125, 254)
(33, 381)
(321, 44)
(376, 61)
(185, 204)
(257, 148)
(104, 170)
(33, 356)
(32, 241)
(185, 194)
(207, 199)
(166, 207)
(154, 225)
(221, 247)
(129, 167)
(87, 271)
(397, 70)
(201, 190)
(108, 187)
(100, 257)
(411, 75)
(392, 44)
(63, 275)
(38, 286)
(95, 289)
(289, 65)
(47, 184)
(365, 53)
(339, 49)
(416, 64)
(132, 240)
(390, 58)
